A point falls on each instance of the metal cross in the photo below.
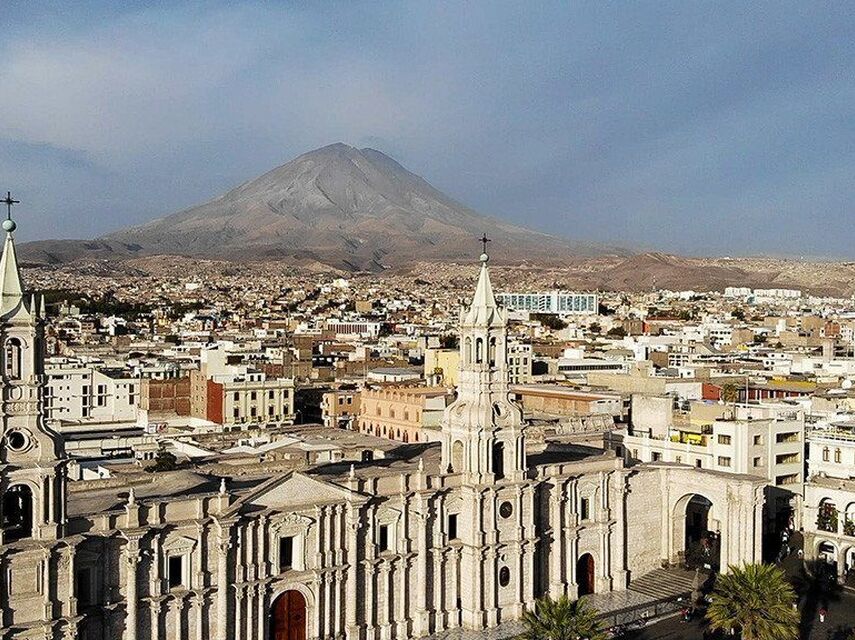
(484, 240)
(8, 201)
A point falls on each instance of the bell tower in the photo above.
(32, 456)
(483, 430)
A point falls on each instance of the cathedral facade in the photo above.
(466, 533)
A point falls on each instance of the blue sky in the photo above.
(690, 127)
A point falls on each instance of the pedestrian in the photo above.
(822, 613)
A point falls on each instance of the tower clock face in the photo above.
(18, 440)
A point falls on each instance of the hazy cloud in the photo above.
(702, 127)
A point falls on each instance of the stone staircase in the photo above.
(661, 584)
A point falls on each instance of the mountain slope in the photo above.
(347, 207)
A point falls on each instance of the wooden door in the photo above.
(585, 574)
(288, 618)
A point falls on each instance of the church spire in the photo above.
(483, 311)
(11, 292)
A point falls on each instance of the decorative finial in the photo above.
(8, 224)
(484, 240)
(421, 464)
(352, 473)
(132, 497)
(222, 486)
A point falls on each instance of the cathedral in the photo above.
(462, 534)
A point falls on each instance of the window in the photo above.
(698, 463)
(825, 453)
(584, 509)
(286, 553)
(499, 460)
(252, 395)
(236, 396)
(723, 461)
(758, 461)
(790, 436)
(837, 456)
(383, 537)
(723, 439)
(504, 577)
(758, 440)
(176, 571)
(678, 459)
(83, 586)
(270, 394)
(12, 357)
(452, 526)
(788, 458)
(655, 456)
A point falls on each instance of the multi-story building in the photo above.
(520, 360)
(406, 414)
(555, 302)
(243, 398)
(829, 500)
(77, 391)
(340, 407)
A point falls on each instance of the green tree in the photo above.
(729, 393)
(562, 619)
(755, 600)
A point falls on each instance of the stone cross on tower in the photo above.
(484, 240)
(8, 223)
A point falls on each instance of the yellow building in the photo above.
(444, 363)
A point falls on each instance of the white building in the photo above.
(551, 302)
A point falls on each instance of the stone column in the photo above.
(154, 612)
(557, 583)
(72, 584)
(223, 546)
(422, 609)
(131, 557)
(352, 560)
(199, 613)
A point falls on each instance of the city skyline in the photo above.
(665, 127)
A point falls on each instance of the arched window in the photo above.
(12, 359)
(467, 351)
(17, 513)
(492, 356)
(479, 350)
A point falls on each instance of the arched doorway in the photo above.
(700, 545)
(17, 513)
(288, 617)
(585, 574)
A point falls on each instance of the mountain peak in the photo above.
(349, 207)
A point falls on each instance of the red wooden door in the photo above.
(289, 617)
(585, 574)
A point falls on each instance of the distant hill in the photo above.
(349, 208)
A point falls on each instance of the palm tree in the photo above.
(757, 600)
(562, 619)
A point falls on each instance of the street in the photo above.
(839, 623)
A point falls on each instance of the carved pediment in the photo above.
(180, 544)
(295, 492)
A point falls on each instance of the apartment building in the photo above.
(829, 498)
(406, 414)
(78, 391)
(768, 447)
(520, 358)
(340, 408)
